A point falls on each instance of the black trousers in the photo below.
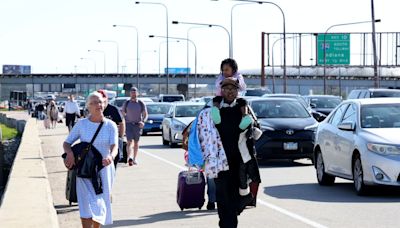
(227, 189)
(70, 119)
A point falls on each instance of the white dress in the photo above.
(97, 207)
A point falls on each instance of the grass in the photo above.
(8, 133)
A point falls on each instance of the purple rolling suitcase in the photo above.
(191, 185)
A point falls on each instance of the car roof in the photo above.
(122, 98)
(274, 99)
(160, 103)
(282, 95)
(316, 96)
(383, 89)
(186, 103)
(368, 101)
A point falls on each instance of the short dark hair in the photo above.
(231, 62)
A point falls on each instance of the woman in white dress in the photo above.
(95, 210)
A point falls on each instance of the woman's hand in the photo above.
(70, 160)
(108, 160)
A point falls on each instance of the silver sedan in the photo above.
(360, 141)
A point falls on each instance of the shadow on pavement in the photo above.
(64, 209)
(283, 163)
(340, 192)
(164, 216)
(153, 147)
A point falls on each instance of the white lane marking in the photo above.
(262, 202)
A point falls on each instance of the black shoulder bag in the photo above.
(86, 157)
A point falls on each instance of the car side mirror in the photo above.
(312, 105)
(347, 126)
(318, 116)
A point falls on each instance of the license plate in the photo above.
(290, 146)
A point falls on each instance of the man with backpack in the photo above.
(135, 113)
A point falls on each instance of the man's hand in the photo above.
(141, 124)
(70, 160)
(108, 160)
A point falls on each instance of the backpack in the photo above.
(139, 101)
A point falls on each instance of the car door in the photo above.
(345, 141)
(329, 138)
(166, 125)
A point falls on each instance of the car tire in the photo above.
(164, 142)
(171, 142)
(322, 177)
(358, 177)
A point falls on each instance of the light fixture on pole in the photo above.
(94, 63)
(117, 45)
(210, 25)
(324, 43)
(104, 57)
(137, 49)
(195, 57)
(233, 7)
(166, 37)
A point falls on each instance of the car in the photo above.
(255, 92)
(373, 93)
(180, 115)
(359, 141)
(323, 103)
(288, 129)
(156, 113)
(171, 97)
(206, 99)
(317, 115)
(83, 111)
(119, 101)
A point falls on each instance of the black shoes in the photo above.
(243, 202)
(210, 206)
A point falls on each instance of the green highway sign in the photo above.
(337, 49)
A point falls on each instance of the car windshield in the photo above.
(300, 99)
(158, 109)
(120, 102)
(172, 98)
(187, 110)
(325, 102)
(279, 109)
(380, 116)
(385, 94)
(82, 104)
(256, 92)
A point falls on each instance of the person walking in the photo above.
(40, 111)
(111, 112)
(71, 110)
(135, 113)
(52, 113)
(29, 106)
(94, 205)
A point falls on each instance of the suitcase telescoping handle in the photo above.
(194, 176)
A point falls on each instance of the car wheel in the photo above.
(164, 142)
(358, 177)
(322, 177)
(171, 142)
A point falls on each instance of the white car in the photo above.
(175, 121)
(119, 101)
(360, 141)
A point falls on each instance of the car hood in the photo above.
(185, 120)
(287, 123)
(381, 135)
(156, 116)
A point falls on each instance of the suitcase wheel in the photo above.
(181, 208)
(70, 203)
(200, 208)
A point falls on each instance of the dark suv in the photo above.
(371, 93)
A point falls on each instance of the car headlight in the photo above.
(312, 127)
(150, 121)
(178, 126)
(266, 128)
(383, 149)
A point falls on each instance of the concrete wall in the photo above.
(27, 201)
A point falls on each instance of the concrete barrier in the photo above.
(27, 201)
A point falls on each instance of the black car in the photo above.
(323, 103)
(288, 129)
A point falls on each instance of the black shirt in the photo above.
(112, 113)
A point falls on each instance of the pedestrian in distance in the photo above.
(111, 112)
(94, 200)
(71, 110)
(135, 114)
(52, 113)
(29, 106)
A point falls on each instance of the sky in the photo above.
(53, 35)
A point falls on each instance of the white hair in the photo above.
(94, 94)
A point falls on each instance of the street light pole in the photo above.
(94, 63)
(166, 37)
(284, 38)
(137, 49)
(324, 44)
(195, 57)
(104, 58)
(376, 76)
(117, 45)
(233, 7)
(210, 25)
